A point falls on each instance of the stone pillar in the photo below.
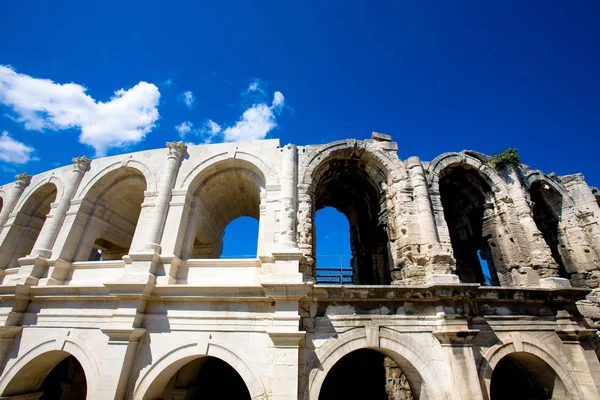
(289, 197)
(437, 265)
(539, 257)
(175, 151)
(116, 362)
(458, 351)
(47, 236)
(23, 180)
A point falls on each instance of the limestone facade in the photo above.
(112, 285)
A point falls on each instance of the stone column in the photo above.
(438, 264)
(23, 180)
(175, 151)
(115, 364)
(289, 197)
(47, 236)
(458, 351)
(539, 255)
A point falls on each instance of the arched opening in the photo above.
(221, 194)
(27, 225)
(110, 213)
(205, 377)
(334, 255)
(524, 376)
(469, 212)
(1, 204)
(595, 192)
(240, 238)
(55, 375)
(353, 187)
(547, 212)
(366, 374)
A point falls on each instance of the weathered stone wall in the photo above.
(115, 263)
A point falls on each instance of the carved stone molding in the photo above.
(23, 180)
(176, 149)
(81, 163)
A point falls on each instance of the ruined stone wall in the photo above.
(456, 265)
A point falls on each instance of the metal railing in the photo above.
(334, 269)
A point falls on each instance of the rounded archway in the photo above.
(220, 194)
(524, 376)
(54, 375)
(548, 208)
(206, 376)
(469, 211)
(352, 182)
(110, 212)
(27, 225)
(366, 374)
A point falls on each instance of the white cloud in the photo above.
(210, 131)
(278, 100)
(184, 128)
(188, 99)
(257, 121)
(13, 151)
(255, 86)
(42, 104)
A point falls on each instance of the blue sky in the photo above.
(437, 76)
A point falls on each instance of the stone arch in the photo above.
(108, 215)
(453, 159)
(513, 345)
(55, 349)
(210, 165)
(353, 178)
(224, 189)
(142, 168)
(407, 353)
(58, 184)
(153, 381)
(469, 192)
(26, 224)
(556, 217)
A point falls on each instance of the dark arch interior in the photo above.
(56, 374)
(32, 217)
(207, 378)
(66, 381)
(347, 186)
(547, 210)
(523, 376)
(365, 374)
(463, 193)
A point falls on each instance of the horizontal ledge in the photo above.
(222, 262)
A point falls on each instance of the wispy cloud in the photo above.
(188, 99)
(13, 151)
(184, 128)
(42, 104)
(208, 132)
(256, 121)
(168, 82)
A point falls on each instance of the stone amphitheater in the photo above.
(112, 285)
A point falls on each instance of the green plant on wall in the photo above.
(506, 157)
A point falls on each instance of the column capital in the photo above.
(176, 149)
(81, 163)
(23, 180)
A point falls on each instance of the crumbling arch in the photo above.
(155, 379)
(534, 361)
(219, 194)
(410, 356)
(27, 224)
(108, 216)
(469, 204)
(354, 180)
(548, 207)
